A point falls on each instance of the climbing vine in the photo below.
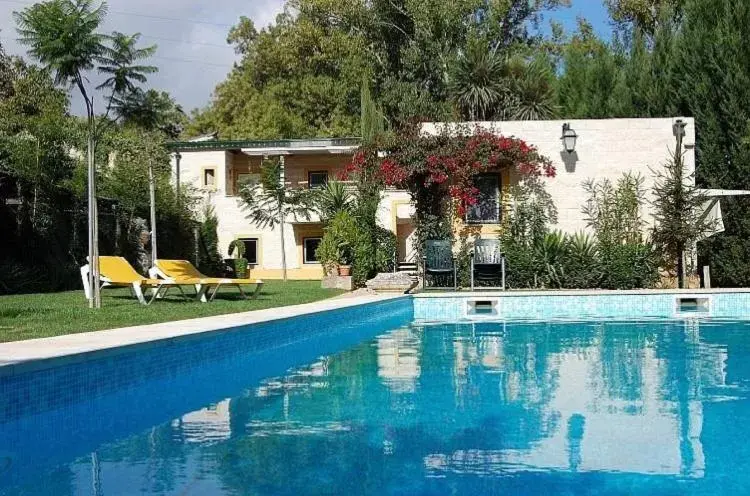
(439, 171)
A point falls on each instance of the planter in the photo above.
(239, 266)
(345, 270)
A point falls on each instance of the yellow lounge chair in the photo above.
(182, 270)
(117, 272)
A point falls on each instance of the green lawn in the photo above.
(52, 314)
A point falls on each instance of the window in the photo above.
(310, 246)
(248, 179)
(251, 250)
(487, 208)
(317, 179)
(209, 178)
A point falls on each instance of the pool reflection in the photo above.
(589, 407)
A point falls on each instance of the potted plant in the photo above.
(345, 257)
(237, 248)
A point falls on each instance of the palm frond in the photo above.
(332, 199)
(533, 92)
(119, 61)
(478, 84)
(62, 36)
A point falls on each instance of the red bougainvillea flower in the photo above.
(393, 174)
(415, 162)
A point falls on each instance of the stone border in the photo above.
(581, 305)
(575, 292)
(21, 356)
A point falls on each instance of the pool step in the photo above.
(410, 268)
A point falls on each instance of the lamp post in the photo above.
(569, 138)
(678, 130)
(177, 158)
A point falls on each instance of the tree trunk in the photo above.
(20, 210)
(681, 267)
(283, 244)
(93, 220)
(95, 301)
(281, 200)
(152, 199)
(36, 188)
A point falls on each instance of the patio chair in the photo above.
(117, 272)
(182, 270)
(487, 262)
(438, 261)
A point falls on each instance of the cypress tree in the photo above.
(713, 82)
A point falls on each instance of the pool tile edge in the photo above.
(24, 356)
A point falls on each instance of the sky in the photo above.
(192, 55)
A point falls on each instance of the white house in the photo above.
(604, 148)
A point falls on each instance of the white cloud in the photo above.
(192, 64)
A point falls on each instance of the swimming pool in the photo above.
(377, 400)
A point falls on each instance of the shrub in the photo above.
(550, 253)
(347, 242)
(582, 266)
(209, 258)
(614, 212)
(629, 266)
(337, 246)
(521, 264)
(371, 258)
(525, 227)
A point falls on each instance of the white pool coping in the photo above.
(574, 292)
(21, 356)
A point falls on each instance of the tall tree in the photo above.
(119, 63)
(151, 110)
(679, 211)
(643, 15)
(301, 75)
(372, 120)
(479, 83)
(63, 35)
(271, 203)
(712, 55)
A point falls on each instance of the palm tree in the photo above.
(270, 203)
(531, 94)
(332, 199)
(150, 110)
(119, 64)
(63, 36)
(486, 85)
(478, 84)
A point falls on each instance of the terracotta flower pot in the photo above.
(345, 270)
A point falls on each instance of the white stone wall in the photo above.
(232, 219)
(606, 148)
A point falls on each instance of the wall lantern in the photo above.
(569, 138)
(678, 128)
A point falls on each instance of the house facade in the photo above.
(604, 149)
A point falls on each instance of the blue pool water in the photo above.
(387, 406)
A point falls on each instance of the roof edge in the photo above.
(219, 145)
